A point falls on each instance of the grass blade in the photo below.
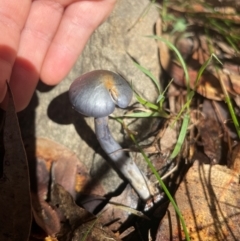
(181, 136)
(146, 103)
(143, 114)
(179, 56)
(150, 75)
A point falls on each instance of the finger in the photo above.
(13, 15)
(80, 19)
(37, 34)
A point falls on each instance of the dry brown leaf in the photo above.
(196, 51)
(208, 85)
(209, 200)
(15, 201)
(210, 131)
(44, 214)
(235, 159)
(168, 137)
(115, 215)
(235, 82)
(225, 119)
(165, 140)
(63, 159)
(226, 12)
(80, 223)
(50, 239)
(55, 160)
(64, 172)
(164, 52)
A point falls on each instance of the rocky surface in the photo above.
(113, 46)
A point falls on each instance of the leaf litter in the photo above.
(61, 181)
(208, 196)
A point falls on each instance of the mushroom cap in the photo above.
(97, 92)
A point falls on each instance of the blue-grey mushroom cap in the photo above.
(97, 92)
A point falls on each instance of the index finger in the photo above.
(13, 15)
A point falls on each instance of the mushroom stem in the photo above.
(121, 161)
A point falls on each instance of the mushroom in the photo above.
(95, 94)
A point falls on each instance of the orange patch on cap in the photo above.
(109, 83)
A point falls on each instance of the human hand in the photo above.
(43, 39)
